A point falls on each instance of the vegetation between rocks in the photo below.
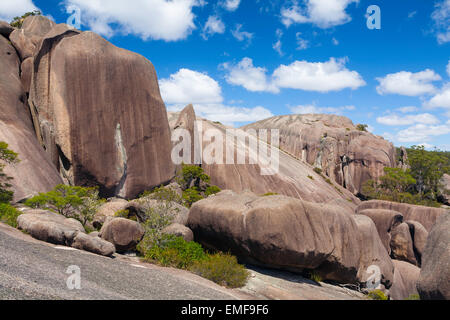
(18, 21)
(8, 213)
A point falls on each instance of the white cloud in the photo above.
(148, 19)
(412, 14)
(335, 41)
(188, 86)
(301, 75)
(408, 109)
(231, 5)
(277, 45)
(326, 76)
(404, 120)
(302, 44)
(248, 76)
(313, 109)
(441, 17)
(441, 99)
(242, 35)
(448, 68)
(9, 9)
(213, 25)
(422, 133)
(322, 13)
(408, 83)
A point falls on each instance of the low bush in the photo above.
(377, 295)
(318, 170)
(9, 214)
(314, 276)
(413, 297)
(269, 194)
(223, 269)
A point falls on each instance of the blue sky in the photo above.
(243, 61)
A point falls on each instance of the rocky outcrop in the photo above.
(285, 233)
(434, 281)
(426, 216)
(93, 244)
(419, 235)
(385, 221)
(110, 208)
(35, 172)
(446, 188)
(5, 29)
(293, 178)
(124, 234)
(406, 276)
(179, 230)
(98, 128)
(333, 143)
(402, 245)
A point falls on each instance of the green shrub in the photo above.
(163, 194)
(318, 170)
(175, 252)
(413, 297)
(9, 214)
(223, 269)
(362, 127)
(191, 195)
(311, 177)
(377, 295)
(18, 21)
(191, 174)
(9, 157)
(210, 190)
(269, 194)
(315, 276)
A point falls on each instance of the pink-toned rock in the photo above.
(92, 244)
(34, 173)
(334, 144)
(179, 230)
(124, 234)
(100, 114)
(426, 216)
(419, 235)
(5, 29)
(385, 221)
(406, 276)
(26, 70)
(401, 243)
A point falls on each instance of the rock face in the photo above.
(5, 29)
(282, 232)
(294, 177)
(50, 227)
(434, 281)
(100, 115)
(406, 276)
(332, 143)
(385, 221)
(34, 173)
(446, 188)
(124, 234)
(426, 216)
(419, 235)
(179, 230)
(402, 246)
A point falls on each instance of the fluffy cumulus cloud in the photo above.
(9, 9)
(231, 5)
(420, 133)
(188, 86)
(213, 25)
(322, 13)
(252, 78)
(326, 76)
(305, 109)
(404, 120)
(148, 19)
(441, 99)
(441, 18)
(331, 75)
(408, 83)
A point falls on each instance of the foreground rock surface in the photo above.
(285, 233)
(434, 281)
(124, 234)
(406, 276)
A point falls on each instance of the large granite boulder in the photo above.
(293, 177)
(281, 232)
(98, 111)
(385, 221)
(93, 244)
(402, 246)
(419, 235)
(426, 216)
(406, 276)
(124, 234)
(334, 144)
(179, 230)
(49, 227)
(110, 208)
(434, 281)
(34, 173)
(373, 252)
(5, 29)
